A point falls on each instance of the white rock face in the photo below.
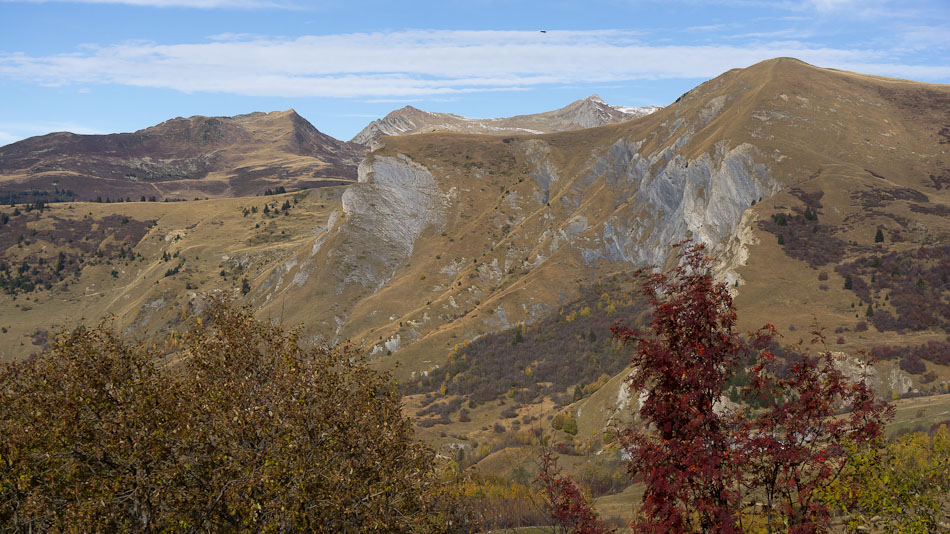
(386, 212)
(702, 199)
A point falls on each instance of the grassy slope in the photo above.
(208, 236)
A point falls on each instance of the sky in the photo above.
(104, 66)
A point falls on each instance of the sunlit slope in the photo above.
(180, 158)
(143, 262)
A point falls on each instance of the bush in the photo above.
(913, 282)
(570, 425)
(248, 433)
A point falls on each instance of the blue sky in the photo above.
(102, 66)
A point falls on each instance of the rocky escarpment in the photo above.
(418, 246)
(394, 201)
(703, 199)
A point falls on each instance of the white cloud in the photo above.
(11, 132)
(419, 63)
(7, 138)
(197, 4)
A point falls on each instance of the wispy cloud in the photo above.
(196, 4)
(420, 63)
(11, 132)
(7, 138)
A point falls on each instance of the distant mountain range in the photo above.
(238, 156)
(585, 113)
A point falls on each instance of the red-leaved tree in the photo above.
(704, 463)
(569, 508)
(798, 444)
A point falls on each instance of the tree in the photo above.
(569, 508)
(798, 446)
(701, 460)
(879, 236)
(683, 454)
(900, 487)
(248, 432)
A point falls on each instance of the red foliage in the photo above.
(701, 460)
(796, 446)
(570, 509)
(683, 454)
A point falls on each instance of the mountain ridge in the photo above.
(584, 113)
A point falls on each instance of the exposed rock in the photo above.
(394, 201)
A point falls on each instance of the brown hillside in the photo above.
(182, 157)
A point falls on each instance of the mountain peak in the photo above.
(584, 113)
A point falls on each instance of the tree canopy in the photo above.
(705, 462)
(236, 429)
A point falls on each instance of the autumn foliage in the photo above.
(568, 506)
(709, 466)
(239, 429)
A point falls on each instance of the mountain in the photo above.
(489, 266)
(182, 157)
(585, 113)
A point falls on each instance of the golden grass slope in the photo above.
(212, 242)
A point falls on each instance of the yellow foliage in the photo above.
(585, 311)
